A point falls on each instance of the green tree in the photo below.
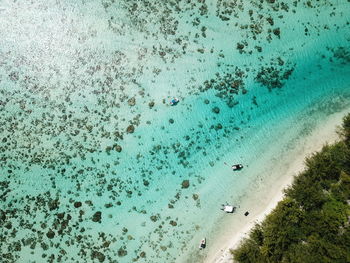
(325, 166)
(281, 229)
(248, 252)
(307, 192)
(334, 216)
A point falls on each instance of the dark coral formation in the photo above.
(276, 75)
(227, 86)
(342, 54)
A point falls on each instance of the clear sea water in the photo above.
(96, 166)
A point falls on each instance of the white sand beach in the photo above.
(265, 201)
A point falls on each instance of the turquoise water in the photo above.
(95, 164)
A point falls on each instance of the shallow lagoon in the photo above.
(95, 164)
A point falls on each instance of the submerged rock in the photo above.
(100, 256)
(145, 182)
(60, 215)
(216, 110)
(173, 223)
(77, 204)
(130, 129)
(277, 32)
(118, 148)
(154, 218)
(97, 217)
(2, 216)
(185, 184)
(132, 101)
(122, 252)
(53, 204)
(240, 46)
(8, 225)
(50, 234)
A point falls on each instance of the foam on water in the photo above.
(95, 164)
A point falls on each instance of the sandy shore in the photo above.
(268, 197)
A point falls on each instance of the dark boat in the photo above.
(202, 244)
(237, 167)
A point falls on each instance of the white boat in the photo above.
(174, 101)
(228, 208)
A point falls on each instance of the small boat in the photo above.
(174, 101)
(228, 208)
(202, 244)
(237, 167)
